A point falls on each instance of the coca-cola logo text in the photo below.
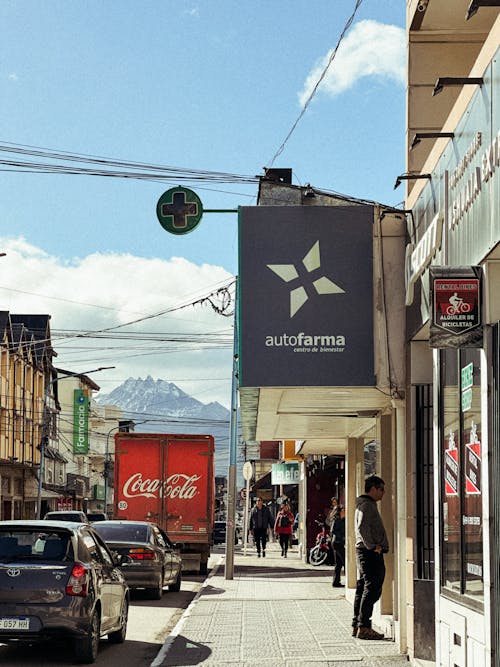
(175, 486)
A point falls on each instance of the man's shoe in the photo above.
(258, 554)
(337, 584)
(369, 633)
(263, 554)
(355, 632)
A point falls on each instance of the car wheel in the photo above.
(176, 586)
(156, 592)
(86, 647)
(118, 637)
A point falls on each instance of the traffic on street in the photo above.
(149, 623)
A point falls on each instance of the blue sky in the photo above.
(212, 85)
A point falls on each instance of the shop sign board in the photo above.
(456, 307)
(306, 296)
(451, 471)
(467, 380)
(285, 473)
(80, 421)
(473, 468)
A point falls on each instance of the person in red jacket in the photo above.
(283, 527)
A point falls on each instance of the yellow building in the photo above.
(25, 354)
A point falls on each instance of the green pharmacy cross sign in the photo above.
(179, 210)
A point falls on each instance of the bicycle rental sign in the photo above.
(456, 309)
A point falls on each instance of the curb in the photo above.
(163, 652)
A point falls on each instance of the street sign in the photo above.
(247, 470)
(285, 473)
(179, 210)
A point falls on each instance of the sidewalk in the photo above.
(273, 613)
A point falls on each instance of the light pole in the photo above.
(45, 429)
(106, 467)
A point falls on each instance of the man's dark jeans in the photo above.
(260, 537)
(369, 586)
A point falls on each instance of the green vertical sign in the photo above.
(80, 422)
(467, 382)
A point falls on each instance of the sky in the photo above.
(212, 86)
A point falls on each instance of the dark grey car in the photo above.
(59, 579)
(148, 557)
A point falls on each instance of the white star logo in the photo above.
(288, 272)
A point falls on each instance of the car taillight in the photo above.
(142, 554)
(78, 581)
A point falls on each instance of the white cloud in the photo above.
(105, 290)
(13, 76)
(370, 49)
(193, 12)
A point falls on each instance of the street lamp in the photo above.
(45, 429)
(106, 467)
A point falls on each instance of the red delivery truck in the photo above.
(168, 480)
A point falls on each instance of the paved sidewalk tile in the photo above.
(272, 613)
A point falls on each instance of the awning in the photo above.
(46, 494)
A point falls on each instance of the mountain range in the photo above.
(158, 406)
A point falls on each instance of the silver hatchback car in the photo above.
(59, 579)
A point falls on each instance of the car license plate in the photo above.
(14, 623)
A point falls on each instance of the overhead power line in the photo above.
(107, 167)
(317, 84)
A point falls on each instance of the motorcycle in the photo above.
(322, 551)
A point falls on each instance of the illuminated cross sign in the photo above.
(179, 210)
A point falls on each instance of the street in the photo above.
(150, 621)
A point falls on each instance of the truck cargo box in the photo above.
(168, 479)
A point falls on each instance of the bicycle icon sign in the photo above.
(456, 305)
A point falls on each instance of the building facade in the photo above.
(453, 312)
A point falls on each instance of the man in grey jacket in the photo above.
(371, 544)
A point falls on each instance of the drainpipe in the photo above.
(401, 524)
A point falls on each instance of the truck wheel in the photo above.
(203, 568)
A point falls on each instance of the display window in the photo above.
(461, 493)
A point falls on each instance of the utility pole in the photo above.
(231, 478)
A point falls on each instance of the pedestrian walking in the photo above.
(371, 544)
(330, 514)
(283, 527)
(260, 522)
(338, 545)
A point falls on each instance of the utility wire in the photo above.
(318, 83)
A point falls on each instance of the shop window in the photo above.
(462, 520)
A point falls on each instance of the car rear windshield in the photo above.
(35, 545)
(122, 532)
(66, 516)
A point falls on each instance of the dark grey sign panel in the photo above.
(306, 296)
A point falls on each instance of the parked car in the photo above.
(59, 580)
(67, 515)
(97, 516)
(148, 557)
(220, 532)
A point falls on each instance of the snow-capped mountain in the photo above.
(158, 406)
